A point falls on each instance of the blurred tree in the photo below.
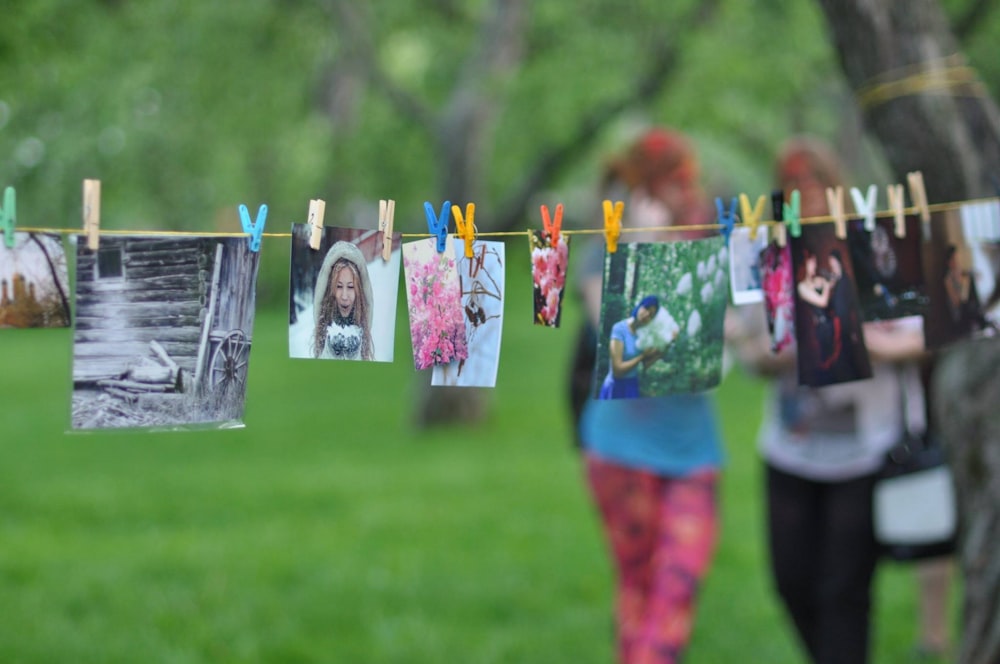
(931, 112)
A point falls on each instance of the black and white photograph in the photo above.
(163, 332)
(34, 283)
(342, 304)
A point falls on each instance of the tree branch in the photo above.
(558, 157)
(354, 26)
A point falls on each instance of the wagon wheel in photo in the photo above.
(227, 369)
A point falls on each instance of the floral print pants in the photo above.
(662, 533)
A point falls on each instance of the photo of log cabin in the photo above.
(34, 289)
(162, 332)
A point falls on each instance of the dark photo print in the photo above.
(888, 270)
(830, 342)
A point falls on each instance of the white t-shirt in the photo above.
(832, 433)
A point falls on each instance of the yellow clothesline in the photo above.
(583, 231)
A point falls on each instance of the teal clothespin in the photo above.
(726, 217)
(256, 229)
(8, 216)
(792, 214)
(437, 224)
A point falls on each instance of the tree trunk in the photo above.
(966, 394)
(951, 132)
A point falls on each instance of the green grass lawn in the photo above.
(328, 530)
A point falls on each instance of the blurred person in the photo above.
(652, 464)
(822, 450)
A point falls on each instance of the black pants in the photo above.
(823, 557)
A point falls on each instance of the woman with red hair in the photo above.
(652, 464)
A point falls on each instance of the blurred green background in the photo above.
(330, 529)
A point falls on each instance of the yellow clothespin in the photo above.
(835, 203)
(751, 217)
(466, 226)
(919, 196)
(613, 224)
(92, 213)
(386, 213)
(896, 204)
(317, 210)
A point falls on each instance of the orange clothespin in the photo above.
(835, 203)
(386, 212)
(919, 196)
(866, 205)
(751, 217)
(553, 226)
(466, 226)
(896, 204)
(92, 213)
(613, 224)
(317, 209)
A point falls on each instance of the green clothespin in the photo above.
(793, 214)
(8, 216)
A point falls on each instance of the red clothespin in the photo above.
(466, 226)
(553, 226)
(835, 203)
(386, 213)
(613, 224)
(92, 213)
(751, 216)
(317, 210)
(897, 205)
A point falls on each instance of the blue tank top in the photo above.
(674, 435)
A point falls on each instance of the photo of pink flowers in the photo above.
(548, 273)
(434, 303)
(779, 294)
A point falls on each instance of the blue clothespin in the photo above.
(8, 216)
(256, 229)
(726, 217)
(437, 224)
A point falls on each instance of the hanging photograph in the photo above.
(481, 280)
(746, 281)
(34, 283)
(830, 343)
(434, 303)
(981, 231)
(779, 294)
(888, 270)
(960, 280)
(662, 312)
(162, 332)
(343, 296)
(548, 274)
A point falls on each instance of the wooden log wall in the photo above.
(161, 296)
